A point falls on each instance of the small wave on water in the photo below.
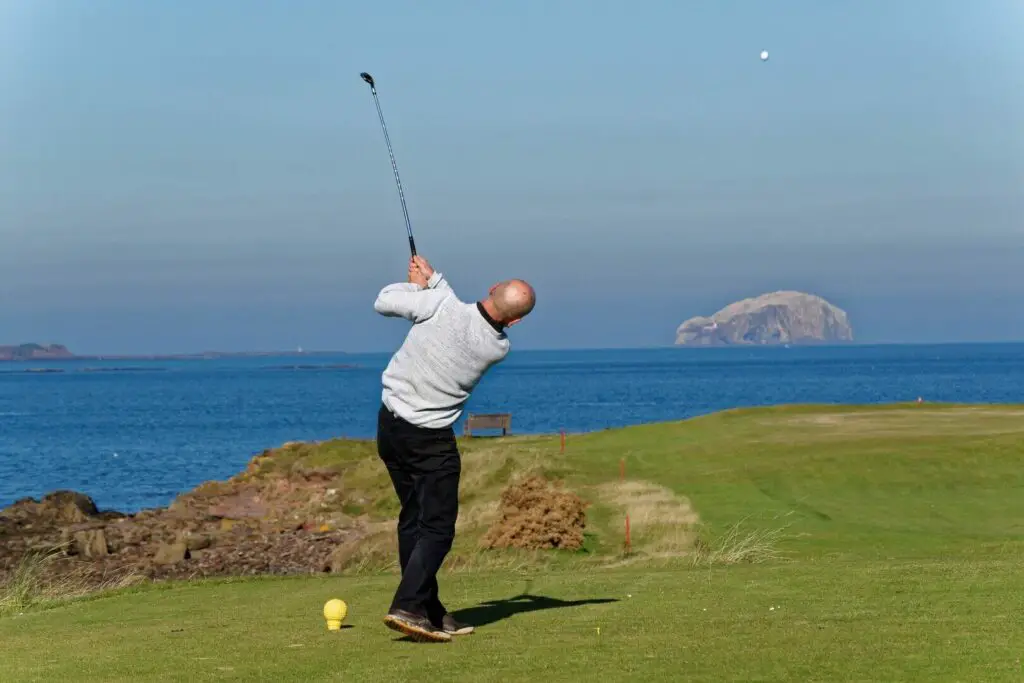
(614, 404)
(123, 369)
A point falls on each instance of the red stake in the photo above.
(622, 478)
(628, 543)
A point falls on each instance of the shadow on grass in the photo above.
(496, 610)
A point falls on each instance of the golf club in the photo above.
(398, 181)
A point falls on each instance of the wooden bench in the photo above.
(502, 421)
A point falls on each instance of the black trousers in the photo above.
(425, 466)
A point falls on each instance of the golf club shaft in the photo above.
(394, 167)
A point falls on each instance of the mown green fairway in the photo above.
(902, 541)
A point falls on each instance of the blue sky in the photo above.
(179, 176)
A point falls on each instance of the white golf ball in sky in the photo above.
(764, 55)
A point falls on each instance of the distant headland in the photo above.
(36, 352)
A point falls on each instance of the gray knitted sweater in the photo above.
(448, 349)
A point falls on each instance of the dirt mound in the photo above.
(537, 515)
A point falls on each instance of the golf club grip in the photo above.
(412, 245)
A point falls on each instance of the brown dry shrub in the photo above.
(537, 515)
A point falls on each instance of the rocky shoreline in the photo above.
(269, 519)
(300, 509)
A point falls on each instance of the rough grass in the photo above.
(792, 543)
(31, 587)
(662, 522)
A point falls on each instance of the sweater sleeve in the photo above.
(437, 281)
(409, 301)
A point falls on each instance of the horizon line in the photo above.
(199, 355)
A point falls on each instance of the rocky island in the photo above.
(783, 317)
(35, 352)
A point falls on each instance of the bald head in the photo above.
(511, 300)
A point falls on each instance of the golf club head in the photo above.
(368, 78)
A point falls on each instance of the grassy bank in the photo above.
(793, 543)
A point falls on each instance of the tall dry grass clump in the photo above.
(33, 583)
(741, 545)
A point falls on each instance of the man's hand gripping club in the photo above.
(420, 271)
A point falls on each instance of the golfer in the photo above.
(448, 349)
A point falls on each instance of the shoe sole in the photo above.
(464, 631)
(420, 635)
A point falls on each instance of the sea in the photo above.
(134, 434)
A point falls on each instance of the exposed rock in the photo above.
(58, 507)
(171, 553)
(276, 517)
(777, 318)
(91, 544)
(197, 541)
